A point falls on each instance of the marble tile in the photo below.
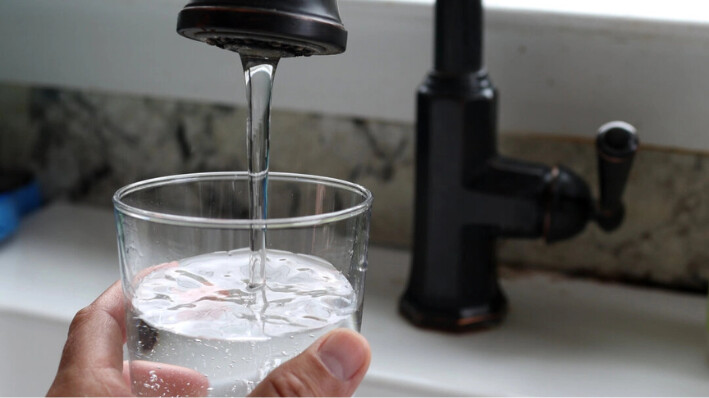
(85, 145)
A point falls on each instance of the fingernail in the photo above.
(343, 355)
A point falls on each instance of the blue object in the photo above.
(9, 219)
(16, 203)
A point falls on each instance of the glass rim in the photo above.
(240, 223)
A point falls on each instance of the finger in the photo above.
(97, 333)
(163, 380)
(92, 360)
(333, 366)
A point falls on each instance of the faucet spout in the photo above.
(268, 28)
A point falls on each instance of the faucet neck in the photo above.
(459, 33)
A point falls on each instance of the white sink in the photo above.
(561, 337)
(31, 346)
(72, 268)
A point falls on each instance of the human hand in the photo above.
(92, 362)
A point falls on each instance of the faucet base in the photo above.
(465, 319)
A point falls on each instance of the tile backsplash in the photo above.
(84, 145)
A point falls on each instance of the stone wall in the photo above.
(84, 145)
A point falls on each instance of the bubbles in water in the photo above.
(216, 327)
(309, 295)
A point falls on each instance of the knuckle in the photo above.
(288, 384)
(80, 318)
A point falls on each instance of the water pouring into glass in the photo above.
(230, 274)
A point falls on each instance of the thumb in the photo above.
(333, 366)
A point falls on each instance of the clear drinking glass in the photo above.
(194, 323)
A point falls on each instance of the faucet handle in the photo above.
(616, 145)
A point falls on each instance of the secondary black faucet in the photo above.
(468, 195)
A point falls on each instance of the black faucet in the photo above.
(266, 28)
(468, 195)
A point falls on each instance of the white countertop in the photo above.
(562, 336)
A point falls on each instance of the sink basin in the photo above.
(375, 385)
(592, 339)
(71, 267)
(31, 347)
